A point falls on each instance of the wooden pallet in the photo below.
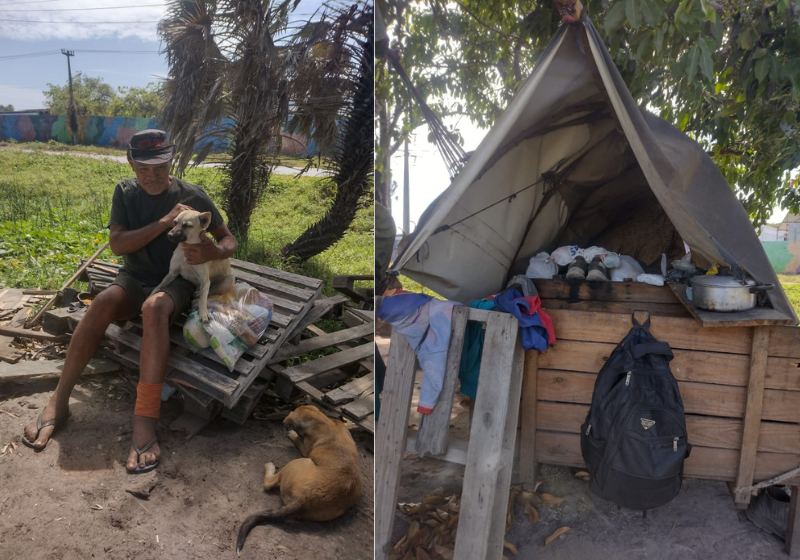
(293, 296)
(319, 378)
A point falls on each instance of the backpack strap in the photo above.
(646, 324)
(644, 348)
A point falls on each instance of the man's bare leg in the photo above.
(152, 369)
(110, 305)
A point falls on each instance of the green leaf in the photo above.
(762, 67)
(710, 12)
(719, 87)
(693, 62)
(633, 13)
(684, 121)
(748, 38)
(615, 18)
(681, 9)
(706, 65)
(645, 47)
(659, 40)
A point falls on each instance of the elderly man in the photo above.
(142, 212)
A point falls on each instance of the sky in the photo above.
(44, 27)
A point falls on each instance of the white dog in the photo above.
(213, 277)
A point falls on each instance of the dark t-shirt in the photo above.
(132, 208)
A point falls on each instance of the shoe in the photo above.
(597, 271)
(769, 511)
(57, 422)
(577, 270)
(148, 445)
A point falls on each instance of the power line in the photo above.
(83, 9)
(81, 22)
(29, 55)
(93, 51)
(26, 3)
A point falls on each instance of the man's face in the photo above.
(154, 179)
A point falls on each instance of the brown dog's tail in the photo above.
(264, 517)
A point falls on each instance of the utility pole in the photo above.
(406, 205)
(71, 109)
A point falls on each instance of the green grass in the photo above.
(791, 285)
(53, 211)
(53, 146)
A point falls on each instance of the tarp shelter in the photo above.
(573, 161)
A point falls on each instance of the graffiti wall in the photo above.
(114, 132)
(783, 255)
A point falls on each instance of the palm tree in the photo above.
(239, 72)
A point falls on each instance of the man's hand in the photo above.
(199, 253)
(168, 221)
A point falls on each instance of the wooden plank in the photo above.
(208, 377)
(241, 412)
(486, 457)
(390, 439)
(360, 408)
(27, 333)
(311, 283)
(784, 342)
(698, 398)
(323, 341)
(528, 420)
(10, 298)
(704, 431)
(285, 290)
(176, 337)
(683, 334)
(704, 462)
(603, 291)
(321, 307)
(309, 369)
(456, 449)
(51, 369)
(351, 390)
(752, 414)
(9, 353)
(628, 307)
(758, 316)
(433, 428)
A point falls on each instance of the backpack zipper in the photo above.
(675, 445)
(588, 429)
(628, 378)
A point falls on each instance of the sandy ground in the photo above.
(702, 522)
(70, 501)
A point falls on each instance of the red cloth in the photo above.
(536, 306)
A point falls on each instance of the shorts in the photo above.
(180, 290)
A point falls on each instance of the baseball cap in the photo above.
(151, 147)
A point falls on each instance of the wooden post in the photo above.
(390, 438)
(752, 414)
(433, 428)
(483, 499)
(792, 545)
(527, 447)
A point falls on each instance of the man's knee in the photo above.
(158, 307)
(110, 305)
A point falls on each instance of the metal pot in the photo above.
(717, 292)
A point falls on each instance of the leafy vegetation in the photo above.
(728, 73)
(95, 97)
(53, 211)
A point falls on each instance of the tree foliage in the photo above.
(8, 108)
(93, 96)
(726, 72)
(239, 70)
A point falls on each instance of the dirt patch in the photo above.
(701, 522)
(70, 501)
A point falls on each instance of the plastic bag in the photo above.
(628, 267)
(541, 266)
(684, 264)
(611, 260)
(237, 322)
(565, 255)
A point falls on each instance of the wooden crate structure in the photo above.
(203, 373)
(488, 455)
(740, 384)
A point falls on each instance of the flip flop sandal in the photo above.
(148, 445)
(57, 422)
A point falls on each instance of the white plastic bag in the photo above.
(685, 263)
(541, 266)
(628, 267)
(565, 255)
(238, 321)
(652, 279)
(611, 260)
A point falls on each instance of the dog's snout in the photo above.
(176, 236)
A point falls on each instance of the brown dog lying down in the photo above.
(322, 485)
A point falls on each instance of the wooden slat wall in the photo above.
(712, 368)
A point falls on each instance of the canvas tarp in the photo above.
(573, 160)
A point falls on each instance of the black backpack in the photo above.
(634, 438)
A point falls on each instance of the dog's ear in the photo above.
(205, 220)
